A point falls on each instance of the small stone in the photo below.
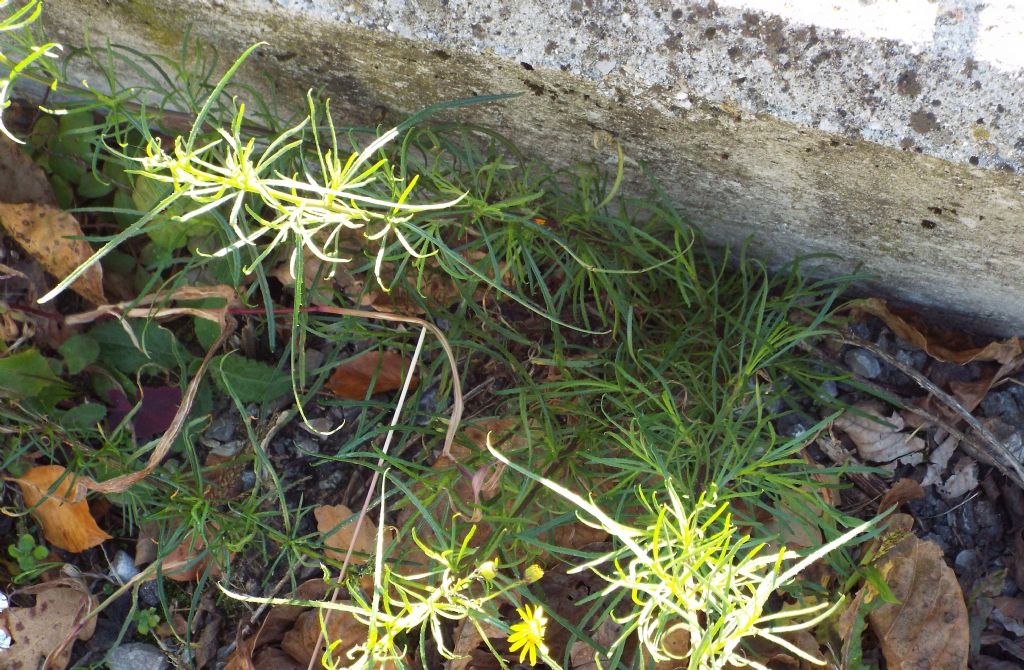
(862, 363)
(792, 425)
(122, 567)
(966, 561)
(331, 481)
(305, 445)
(915, 359)
(247, 480)
(319, 426)
(227, 449)
(860, 330)
(828, 389)
(222, 428)
(314, 359)
(149, 594)
(999, 403)
(136, 656)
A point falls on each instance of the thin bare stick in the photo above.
(399, 405)
(457, 402)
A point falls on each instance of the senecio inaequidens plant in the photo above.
(310, 208)
(689, 570)
(16, 25)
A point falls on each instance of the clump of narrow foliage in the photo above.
(642, 366)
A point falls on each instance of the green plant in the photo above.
(146, 620)
(685, 572)
(30, 557)
(654, 379)
(15, 23)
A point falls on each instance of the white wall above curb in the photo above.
(889, 132)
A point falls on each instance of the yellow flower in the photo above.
(529, 635)
(533, 574)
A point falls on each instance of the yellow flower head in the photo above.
(529, 634)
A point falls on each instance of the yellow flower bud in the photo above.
(533, 573)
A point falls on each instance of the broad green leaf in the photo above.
(91, 187)
(123, 201)
(73, 138)
(62, 191)
(83, 417)
(249, 380)
(119, 352)
(27, 374)
(207, 332)
(78, 352)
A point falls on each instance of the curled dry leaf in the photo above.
(878, 439)
(938, 345)
(901, 492)
(45, 233)
(383, 370)
(186, 562)
(337, 523)
(53, 623)
(928, 627)
(67, 525)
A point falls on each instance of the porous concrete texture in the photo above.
(889, 132)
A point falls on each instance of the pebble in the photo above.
(149, 594)
(966, 561)
(123, 566)
(319, 426)
(999, 403)
(137, 656)
(862, 363)
(915, 359)
(314, 359)
(247, 480)
(828, 389)
(222, 428)
(792, 425)
(331, 481)
(860, 330)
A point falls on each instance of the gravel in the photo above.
(137, 656)
(863, 363)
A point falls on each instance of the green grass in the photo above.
(640, 366)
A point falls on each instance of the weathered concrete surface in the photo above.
(890, 133)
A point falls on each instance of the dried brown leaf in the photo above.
(353, 378)
(66, 524)
(899, 493)
(21, 180)
(878, 438)
(963, 480)
(676, 643)
(343, 630)
(937, 345)
(38, 631)
(928, 627)
(338, 537)
(939, 459)
(1010, 613)
(467, 638)
(45, 233)
(183, 564)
